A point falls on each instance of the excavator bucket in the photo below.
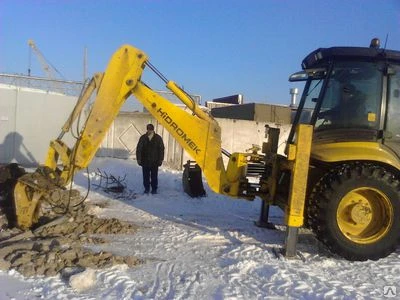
(192, 180)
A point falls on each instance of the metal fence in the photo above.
(65, 87)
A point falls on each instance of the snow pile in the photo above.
(205, 248)
(83, 281)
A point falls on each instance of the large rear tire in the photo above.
(355, 211)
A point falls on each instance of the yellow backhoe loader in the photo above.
(340, 174)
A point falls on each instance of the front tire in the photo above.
(355, 211)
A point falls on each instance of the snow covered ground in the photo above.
(205, 248)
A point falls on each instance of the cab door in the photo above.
(392, 126)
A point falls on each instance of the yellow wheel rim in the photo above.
(365, 215)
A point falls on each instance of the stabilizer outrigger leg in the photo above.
(264, 214)
(299, 154)
(291, 241)
(289, 251)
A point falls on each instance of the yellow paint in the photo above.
(365, 215)
(347, 151)
(26, 206)
(301, 158)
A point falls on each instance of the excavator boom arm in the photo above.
(201, 138)
(197, 132)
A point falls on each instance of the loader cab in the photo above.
(351, 94)
(351, 98)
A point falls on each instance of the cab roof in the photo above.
(323, 55)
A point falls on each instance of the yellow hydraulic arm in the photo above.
(197, 132)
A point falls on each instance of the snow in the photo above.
(203, 248)
(83, 281)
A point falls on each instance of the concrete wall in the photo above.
(237, 136)
(241, 135)
(29, 119)
(124, 134)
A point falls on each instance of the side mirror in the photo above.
(298, 76)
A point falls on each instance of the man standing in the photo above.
(150, 155)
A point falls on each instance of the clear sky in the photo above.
(211, 48)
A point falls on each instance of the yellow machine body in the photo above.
(362, 215)
(351, 151)
(196, 131)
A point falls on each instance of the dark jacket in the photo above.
(150, 152)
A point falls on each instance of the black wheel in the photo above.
(355, 211)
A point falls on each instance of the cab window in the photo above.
(393, 108)
(352, 97)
